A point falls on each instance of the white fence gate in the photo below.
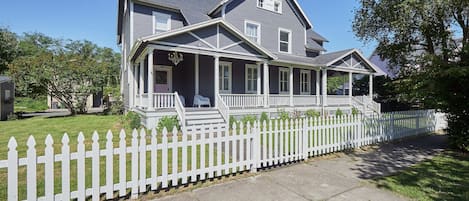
(160, 160)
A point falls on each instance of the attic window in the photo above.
(271, 5)
(161, 22)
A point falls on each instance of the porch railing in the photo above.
(181, 111)
(243, 100)
(223, 108)
(304, 100)
(279, 100)
(163, 100)
(338, 100)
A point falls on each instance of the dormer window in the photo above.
(161, 22)
(260, 3)
(271, 5)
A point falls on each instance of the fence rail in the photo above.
(194, 154)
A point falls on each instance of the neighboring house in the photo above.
(93, 101)
(245, 56)
(7, 96)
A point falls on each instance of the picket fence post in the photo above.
(122, 164)
(81, 167)
(12, 170)
(49, 168)
(65, 169)
(109, 166)
(31, 168)
(134, 165)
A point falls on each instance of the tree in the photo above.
(68, 71)
(8, 48)
(422, 38)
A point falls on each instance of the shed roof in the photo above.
(4, 79)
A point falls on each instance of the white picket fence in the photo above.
(195, 154)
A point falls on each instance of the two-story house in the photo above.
(233, 57)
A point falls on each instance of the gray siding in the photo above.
(239, 11)
(143, 20)
(206, 81)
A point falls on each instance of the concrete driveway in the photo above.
(344, 176)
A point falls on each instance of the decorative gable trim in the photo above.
(352, 65)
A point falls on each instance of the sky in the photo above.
(95, 20)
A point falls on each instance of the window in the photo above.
(284, 37)
(251, 78)
(225, 77)
(277, 6)
(253, 31)
(305, 85)
(270, 5)
(161, 22)
(260, 3)
(284, 77)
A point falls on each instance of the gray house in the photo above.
(7, 92)
(232, 57)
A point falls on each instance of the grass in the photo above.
(25, 104)
(445, 177)
(39, 127)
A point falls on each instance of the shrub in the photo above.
(283, 115)
(27, 104)
(168, 122)
(233, 120)
(249, 118)
(355, 111)
(264, 117)
(339, 112)
(132, 120)
(296, 114)
(312, 113)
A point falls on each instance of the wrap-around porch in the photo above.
(235, 83)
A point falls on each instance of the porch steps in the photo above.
(203, 116)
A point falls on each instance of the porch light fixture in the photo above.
(175, 57)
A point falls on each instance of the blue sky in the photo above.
(95, 20)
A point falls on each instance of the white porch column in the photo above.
(216, 69)
(258, 78)
(290, 87)
(131, 85)
(318, 87)
(324, 87)
(141, 74)
(135, 83)
(350, 87)
(266, 84)
(150, 79)
(371, 86)
(196, 67)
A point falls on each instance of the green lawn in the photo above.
(40, 127)
(26, 104)
(445, 177)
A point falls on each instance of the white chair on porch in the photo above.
(201, 101)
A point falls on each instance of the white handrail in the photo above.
(243, 100)
(180, 109)
(223, 108)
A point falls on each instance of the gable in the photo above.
(214, 35)
(352, 61)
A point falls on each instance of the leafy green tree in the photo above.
(69, 71)
(8, 48)
(419, 36)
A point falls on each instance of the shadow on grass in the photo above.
(445, 177)
(396, 156)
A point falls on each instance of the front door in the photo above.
(163, 79)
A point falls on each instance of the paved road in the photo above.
(345, 177)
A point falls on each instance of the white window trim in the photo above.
(230, 77)
(250, 66)
(246, 22)
(168, 23)
(289, 40)
(273, 6)
(308, 73)
(280, 70)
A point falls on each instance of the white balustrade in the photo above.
(279, 100)
(338, 100)
(243, 100)
(304, 100)
(163, 100)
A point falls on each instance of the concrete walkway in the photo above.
(343, 176)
